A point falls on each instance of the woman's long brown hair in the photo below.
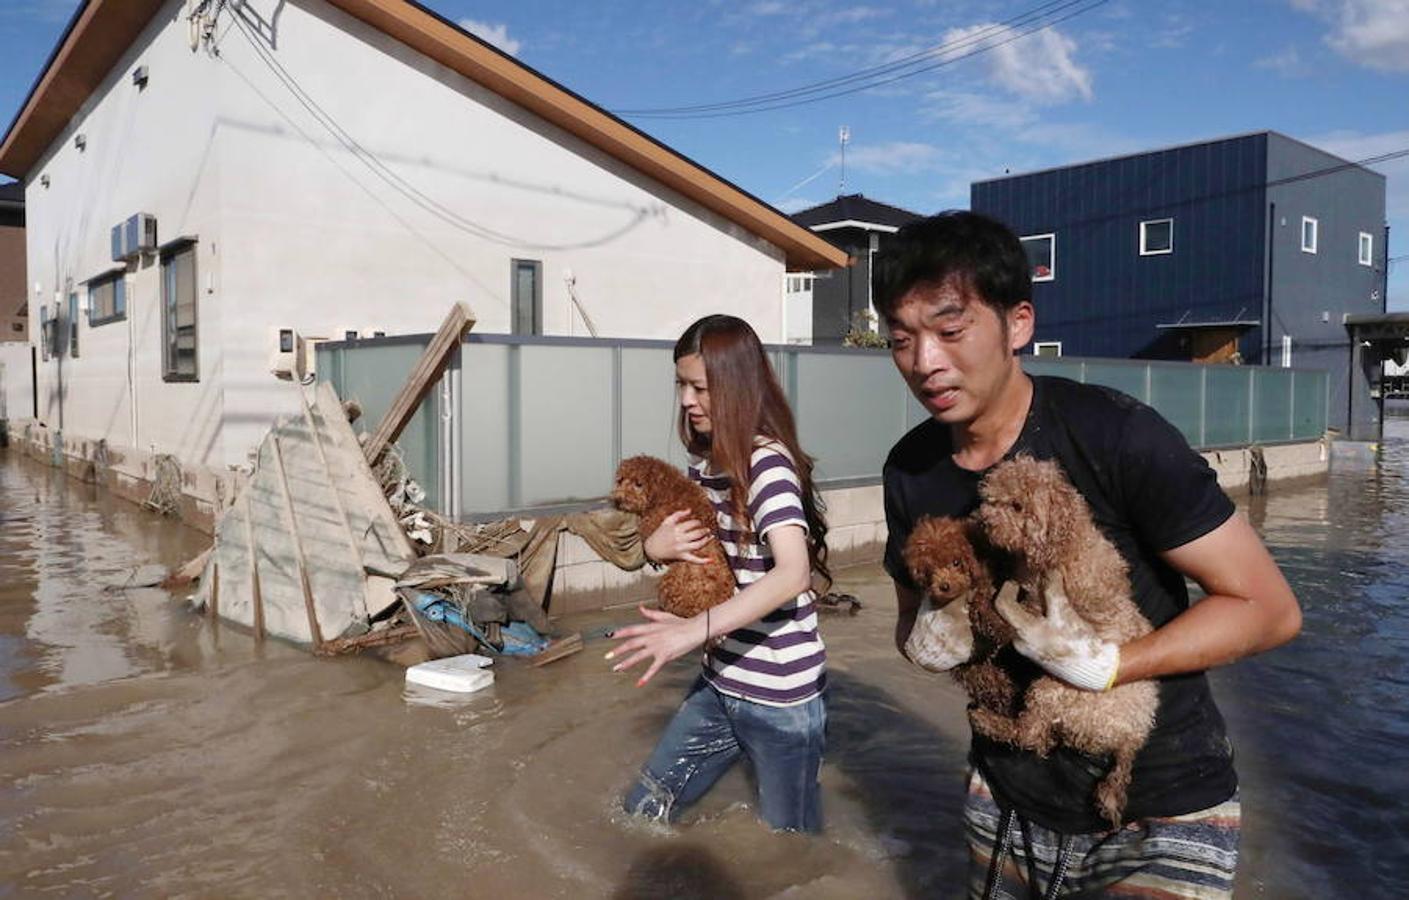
(745, 401)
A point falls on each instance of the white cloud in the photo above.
(896, 158)
(982, 110)
(1038, 66)
(1373, 33)
(496, 34)
(1286, 62)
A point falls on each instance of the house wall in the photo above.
(350, 184)
(1311, 293)
(416, 189)
(151, 150)
(1106, 299)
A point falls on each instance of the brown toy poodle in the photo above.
(1033, 512)
(960, 621)
(653, 489)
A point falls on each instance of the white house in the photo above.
(335, 166)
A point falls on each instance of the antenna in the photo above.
(844, 138)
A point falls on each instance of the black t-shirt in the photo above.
(1148, 492)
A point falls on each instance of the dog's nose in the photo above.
(944, 586)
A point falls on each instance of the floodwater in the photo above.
(146, 751)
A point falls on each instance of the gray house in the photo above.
(841, 298)
(1256, 248)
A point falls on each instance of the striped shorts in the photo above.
(1188, 856)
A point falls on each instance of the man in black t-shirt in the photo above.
(955, 291)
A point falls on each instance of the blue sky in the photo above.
(1117, 77)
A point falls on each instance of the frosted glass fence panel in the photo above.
(1309, 398)
(1177, 392)
(1128, 378)
(371, 374)
(1226, 406)
(566, 433)
(543, 422)
(1272, 404)
(648, 409)
(850, 409)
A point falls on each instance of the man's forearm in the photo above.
(1215, 631)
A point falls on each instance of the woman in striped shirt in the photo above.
(761, 692)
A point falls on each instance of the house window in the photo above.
(1309, 227)
(1047, 348)
(1156, 237)
(72, 324)
(107, 299)
(526, 289)
(1367, 249)
(1286, 351)
(178, 320)
(1042, 255)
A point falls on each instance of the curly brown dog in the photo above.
(960, 621)
(1032, 511)
(653, 489)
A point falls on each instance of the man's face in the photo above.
(953, 350)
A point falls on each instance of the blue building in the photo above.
(1254, 248)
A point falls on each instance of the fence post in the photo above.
(1252, 404)
(515, 428)
(1203, 406)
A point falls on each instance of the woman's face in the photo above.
(693, 390)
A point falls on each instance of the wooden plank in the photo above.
(558, 649)
(291, 521)
(258, 623)
(385, 636)
(353, 544)
(421, 380)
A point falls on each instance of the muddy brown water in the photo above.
(145, 751)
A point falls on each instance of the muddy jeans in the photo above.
(710, 731)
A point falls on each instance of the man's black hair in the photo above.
(981, 252)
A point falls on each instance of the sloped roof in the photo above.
(102, 30)
(857, 210)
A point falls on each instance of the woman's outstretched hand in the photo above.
(678, 537)
(665, 637)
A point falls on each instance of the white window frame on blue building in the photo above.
(1145, 248)
(1310, 247)
(1366, 249)
(1051, 238)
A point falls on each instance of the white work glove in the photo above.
(942, 638)
(1061, 642)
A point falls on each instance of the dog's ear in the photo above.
(920, 550)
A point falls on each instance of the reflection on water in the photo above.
(145, 751)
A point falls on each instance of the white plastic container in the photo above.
(460, 674)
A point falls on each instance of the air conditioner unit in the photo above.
(134, 237)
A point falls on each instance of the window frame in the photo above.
(1038, 346)
(1051, 256)
(1144, 237)
(1365, 249)
(1315, 234)
(167, 253)
(515, 300)
(118, 279)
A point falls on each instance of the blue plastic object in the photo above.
(438, 609)
(520, 639)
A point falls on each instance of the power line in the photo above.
(1038, 19)
(386, 174)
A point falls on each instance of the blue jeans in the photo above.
(710, 731)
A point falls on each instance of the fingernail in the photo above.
(607, 655)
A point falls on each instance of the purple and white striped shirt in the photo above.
(778, 660)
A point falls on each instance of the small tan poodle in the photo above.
(1033, 512)
(653, 489)
(958, 621)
